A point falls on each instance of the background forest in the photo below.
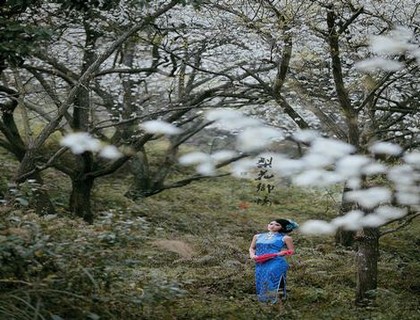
(134, 140)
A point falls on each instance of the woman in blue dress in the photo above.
(270, 274)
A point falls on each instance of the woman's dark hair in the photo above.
(287, 225)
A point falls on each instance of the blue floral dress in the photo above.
(270, 276)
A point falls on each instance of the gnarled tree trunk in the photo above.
(367, 265)
(80, 197)
(344, 237)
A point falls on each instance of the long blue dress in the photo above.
(270, 275)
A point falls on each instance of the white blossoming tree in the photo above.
(65, 85)
(308, 63)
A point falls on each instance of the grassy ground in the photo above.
(183, 254)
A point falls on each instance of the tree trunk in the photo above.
(80, 198)
(40, 201)
(367, 265)
(343, 237)
(139, 167)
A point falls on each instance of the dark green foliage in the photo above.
(59, 267)
(18, 39)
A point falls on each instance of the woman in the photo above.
(268, 250)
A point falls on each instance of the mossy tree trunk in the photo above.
(344, 237)
(367, 265)
(81, 196)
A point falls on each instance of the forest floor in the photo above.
(183, 254)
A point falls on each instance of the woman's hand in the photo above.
(285, 253)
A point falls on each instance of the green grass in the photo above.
(119, 268)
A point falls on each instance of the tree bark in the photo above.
(80, 197)
(139, 167)
(367, 265)
(344, 237)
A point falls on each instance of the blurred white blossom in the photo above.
(241, 168)
(397, 42)
(317, 177)
(194, 158)
(331, 147)
(351, 165)
(390, 212)
(288, 167)
(318, 227)
(206, 168)
(372, 221)
(223, 114)
(223, 155)
(373, 169)
(408, 198)
(350, 221)
(369, 198)
(257, 138)
(316, 160)
(413, 159)
(378, 63)
(110, 152)
(306, 136)
(80, 142)
(385, 148)
(160, 127)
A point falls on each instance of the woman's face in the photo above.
(274, 226)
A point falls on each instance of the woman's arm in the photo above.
(252, 247)
(289, 245)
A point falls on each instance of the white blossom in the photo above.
(402, 175)
(351, 165)
(316, 160)
(350, 221)
(110, 152)
(194, 158)
(354, 183)
(288, 167)
(223, 155)
(369, 198)
(316, 177)
(317, 227)
(160, 127)
(306, 136)
(238, 123)
(408, 198)
(223, 114)
(331, 147)
(397, 42)
(242, 168)
(80, 142)
(372, 220)
(373, 168)
(413, 159)
(257, 138)
(378, 63)
(390, 212)
(206, 168)
(385, 148)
